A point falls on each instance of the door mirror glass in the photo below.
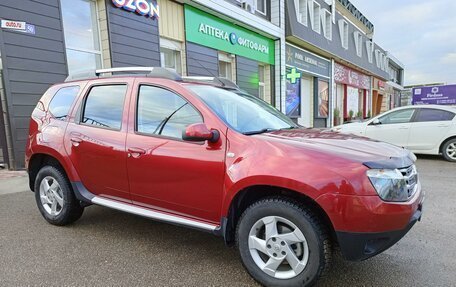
(200, 132)
(375, 122)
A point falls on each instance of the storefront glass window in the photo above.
(171, 59)
(82, 36)
(293, 99)
(323, 99)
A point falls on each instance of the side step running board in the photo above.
(84, 195)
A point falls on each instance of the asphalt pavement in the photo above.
(110, 248)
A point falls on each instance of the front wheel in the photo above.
(282, 243)
(55, 198)
(449, 150)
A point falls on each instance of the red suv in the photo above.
(213, 158)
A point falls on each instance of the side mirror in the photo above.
(376, 122)
(200, 132)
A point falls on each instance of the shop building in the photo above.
(396, 80)
(42, 42)
(338, 32)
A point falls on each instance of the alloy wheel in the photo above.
(51, 196)
(451, 151)
(278, 247)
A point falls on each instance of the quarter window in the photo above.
(162, 112)
(61, 103)
(433, 115)
(104, 106)
(398, 117)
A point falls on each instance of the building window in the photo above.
(226, 66)
(327, 24)
(171, 59)
(314, 9)
(82, 36)
(261, 82)
(301, 11)
(358, 43)
(261, 7)
(343, 29)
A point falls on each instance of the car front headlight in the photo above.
(390, 184)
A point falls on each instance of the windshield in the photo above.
(242, 112)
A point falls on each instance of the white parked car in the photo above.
(424, 129)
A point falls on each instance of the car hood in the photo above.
(372, 153)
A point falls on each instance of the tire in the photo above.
(59, 195)
(449, 150)
(310, 240)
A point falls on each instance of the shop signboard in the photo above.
(141, 7)
(210, 31)
(350, 77)
(436, 95)
(307, 62)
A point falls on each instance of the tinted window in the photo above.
(61, 103)
(399, 117)
(162, 112)
(433, 115)
(104, 106)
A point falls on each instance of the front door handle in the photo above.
(135, 152)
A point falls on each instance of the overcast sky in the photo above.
(420, 33)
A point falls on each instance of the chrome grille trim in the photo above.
(411, 178)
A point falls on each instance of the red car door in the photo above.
(166, 172)
(95, 138)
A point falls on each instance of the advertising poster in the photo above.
(293, 99)
(323, 99)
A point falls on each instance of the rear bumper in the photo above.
(361, 246)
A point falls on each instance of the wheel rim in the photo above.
(51, 196)
(278, 247)
(451, 151)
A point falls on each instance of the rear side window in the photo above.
(61, 103)
(104, 106)
(433, 115)
(162, 112)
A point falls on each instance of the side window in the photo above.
(433, 115)
(162, 112)
(61, 102)
(104, 106)
(398, 117)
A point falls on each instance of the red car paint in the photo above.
(199, 181)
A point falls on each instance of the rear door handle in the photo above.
(76, 140)
(135, 152)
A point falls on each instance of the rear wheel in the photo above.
(449, 150)
(282, 243)
(55, 198)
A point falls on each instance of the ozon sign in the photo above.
(142, 7)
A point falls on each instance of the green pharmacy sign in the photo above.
(207, 30)
(293, 75)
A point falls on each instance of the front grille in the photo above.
(411, 178)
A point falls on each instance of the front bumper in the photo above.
(361, 246)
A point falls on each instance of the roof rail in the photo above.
(155, 72)
(224, 82)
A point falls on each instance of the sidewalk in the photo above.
(13, 181)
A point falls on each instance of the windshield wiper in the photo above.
(262, 131)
